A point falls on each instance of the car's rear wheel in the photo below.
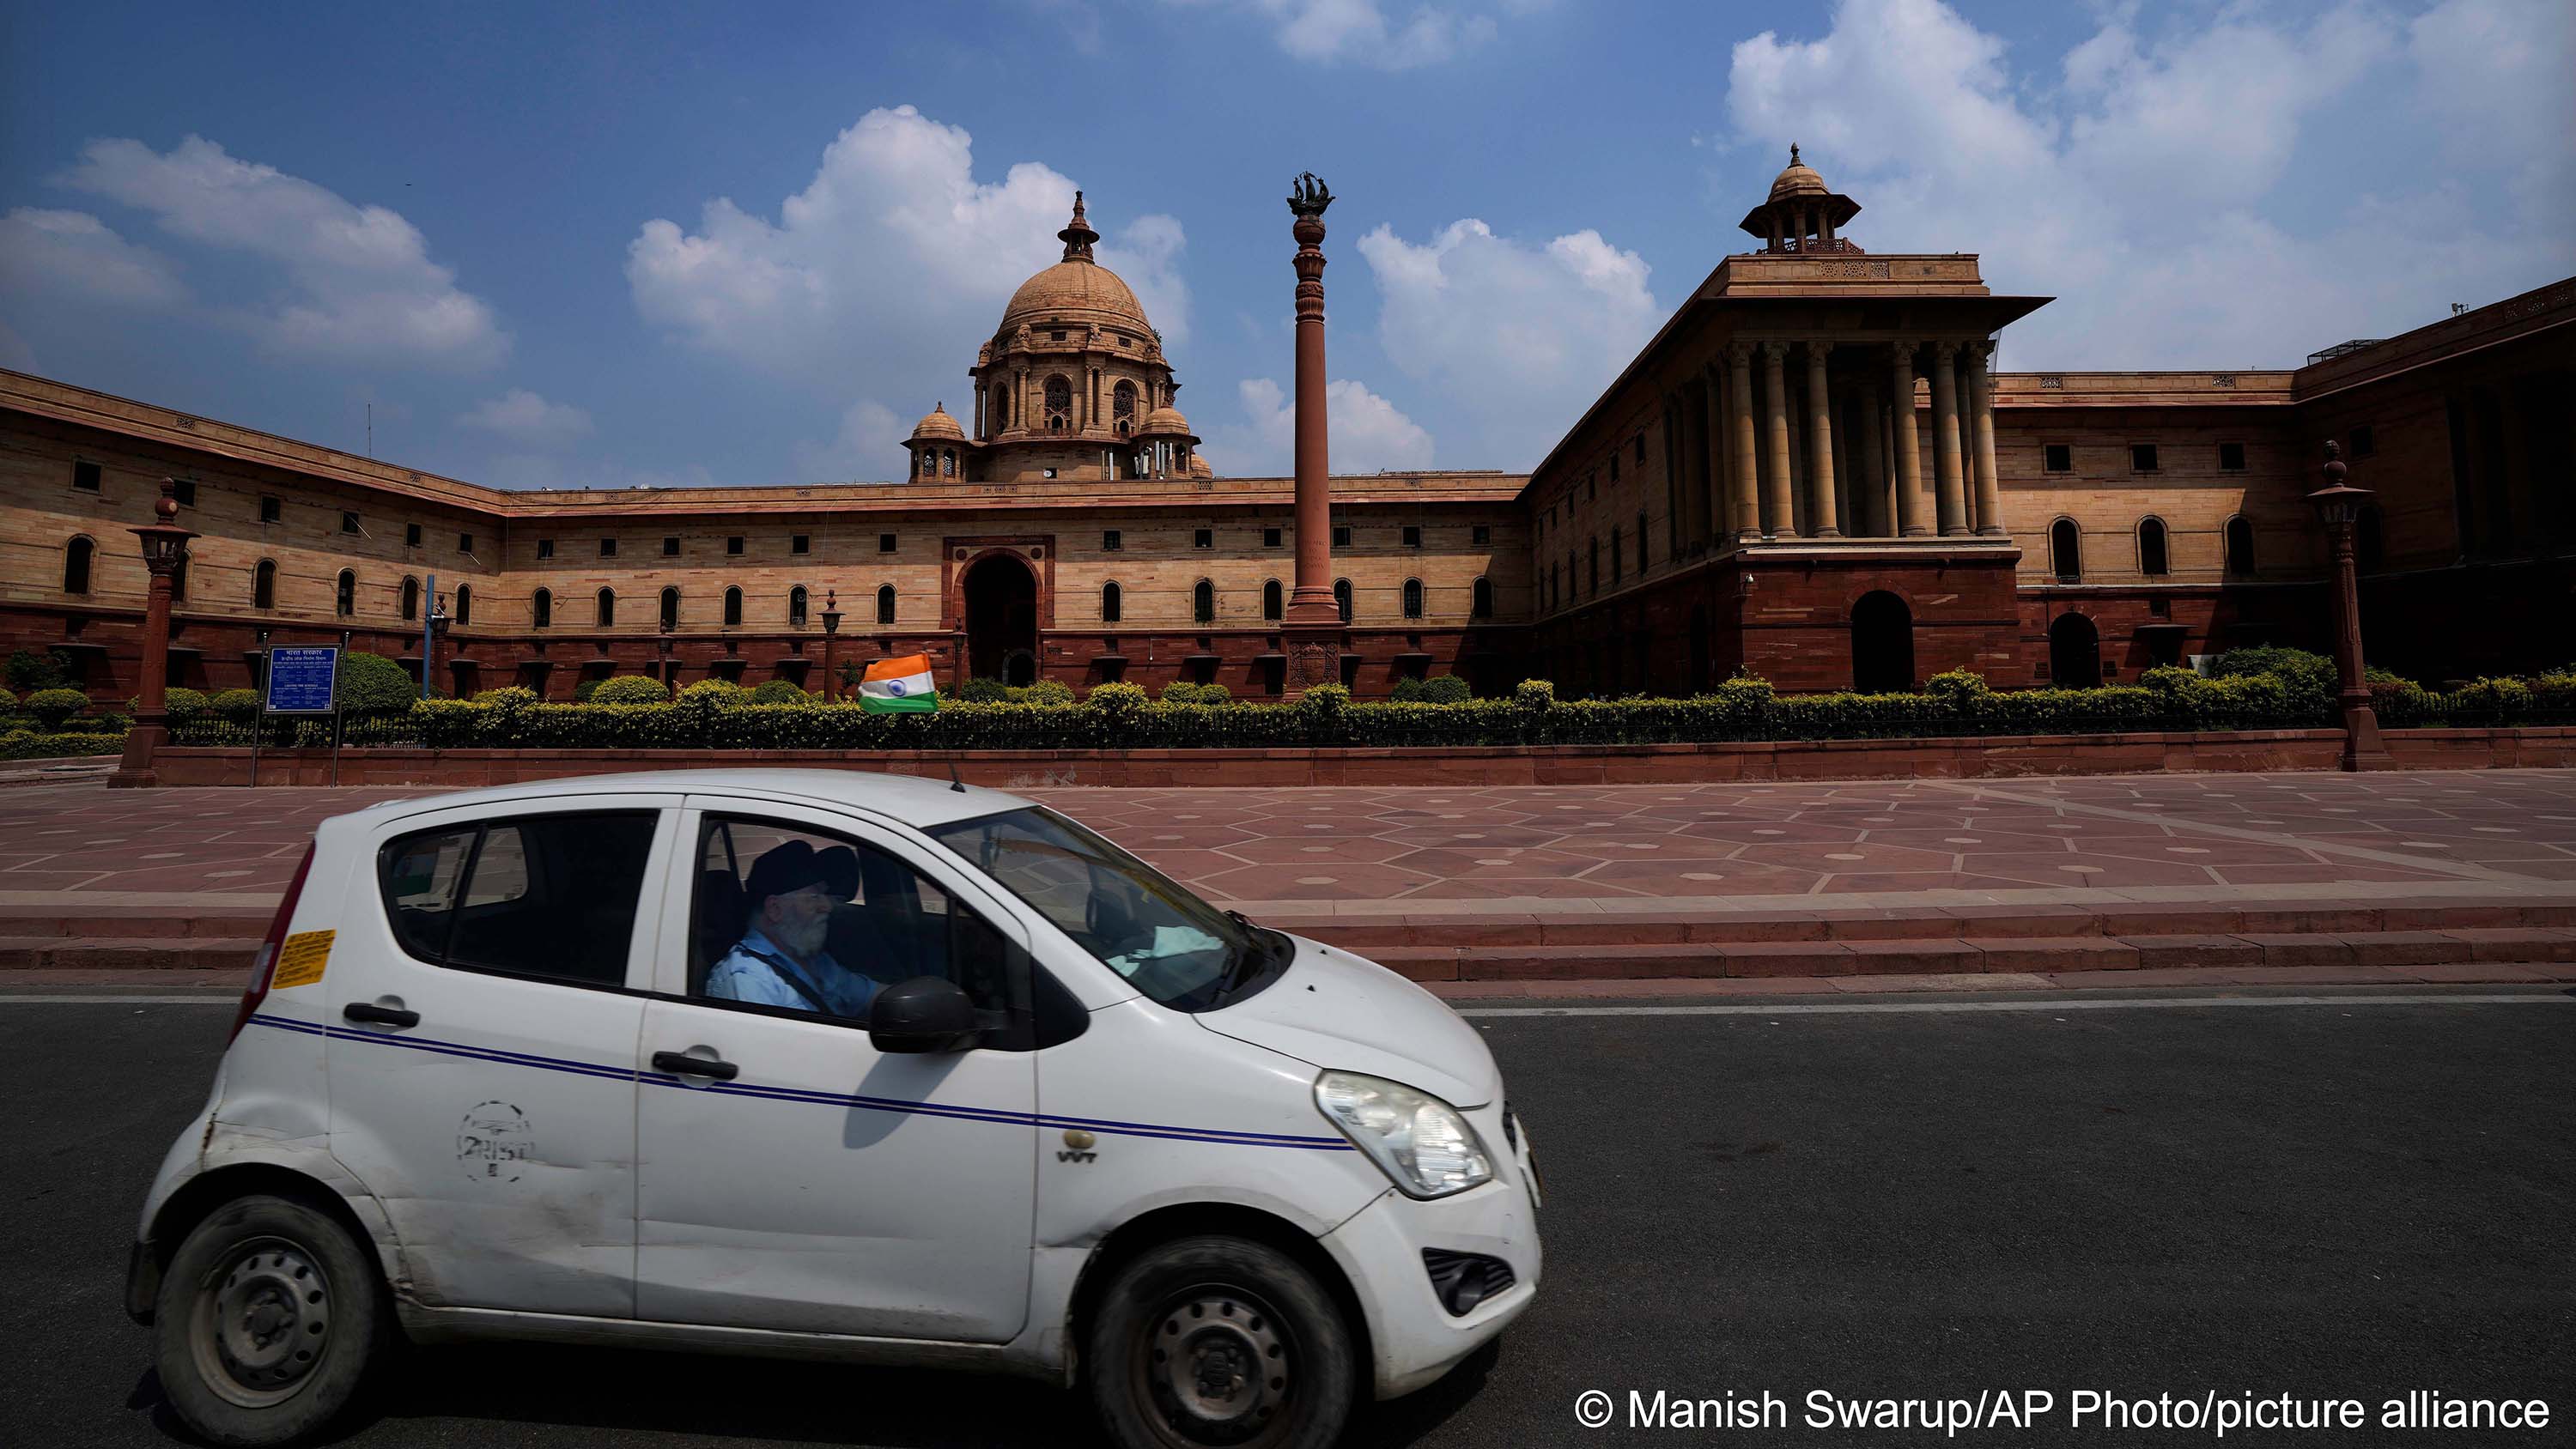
(1220, 1343)
(269, 1316)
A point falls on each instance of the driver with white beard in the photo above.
(780, 960)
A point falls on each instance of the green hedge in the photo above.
(29, 745)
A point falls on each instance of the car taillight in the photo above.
(264, 964)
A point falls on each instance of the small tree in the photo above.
(373, 684)
(31, 671)
(55, 707)
(1446, 689)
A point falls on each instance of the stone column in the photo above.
(1909, 447)
(1313, 621)
(1967, 450)
(1775, 403)
(1949, 496)
(1820, 446)
(1847, 502)
(1747, 521)
(1981, 411)
(1872, 444)
(1720, 511)
(165, 552)
(979, 409)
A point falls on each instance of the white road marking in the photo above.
(2128, 1003)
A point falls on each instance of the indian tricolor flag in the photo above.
(899, 685)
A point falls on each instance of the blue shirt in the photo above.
(757, 971)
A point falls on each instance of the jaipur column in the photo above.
(1775, 402)
(1949, 496)
(1721, 507)
(1909, 445)
(1820, 442)
(1747, 520)
(1981, 421)
(1313, 620)
(1872, 445)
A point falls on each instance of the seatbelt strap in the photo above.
(794, 979)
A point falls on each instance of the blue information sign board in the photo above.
(300, 680)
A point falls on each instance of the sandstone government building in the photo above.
(1810, 472)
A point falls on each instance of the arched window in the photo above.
(608, 608)
(1342, 598)
(1122, 408)
(796, 607)
(2240, 547)
(2369, 545)
(1001, 410)
(464, 604)
(263, 585)
(670, 610)
(1413, 598)
(2066, 551)
(1882, 644)
(1059, 404)
(923, 462)
(885, 603)
(2074, 653)
(2152, 560)
(948, 462)
(179, 580)
(410, 597)
(1618, 554)
(1481, 599)
(543, 611)
(1273, 601)
(1203, 602)
(1109, 603)
(76, 557)
(733, 607)
(344, 599)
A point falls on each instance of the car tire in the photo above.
(269, 1317)
(1218, 1341)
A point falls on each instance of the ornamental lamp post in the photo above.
(2338, 507)
(1313, 622)
(831, 628)
(432, 625)
(165, 552)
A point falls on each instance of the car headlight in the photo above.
(1422, 1142)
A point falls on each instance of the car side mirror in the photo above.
(923, 1014)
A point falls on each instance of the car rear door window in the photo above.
(550, 896)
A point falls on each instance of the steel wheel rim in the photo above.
(261, 1322)
(1218, 1365)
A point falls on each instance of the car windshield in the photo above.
(1166, 942)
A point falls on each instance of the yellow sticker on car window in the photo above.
(301, 961)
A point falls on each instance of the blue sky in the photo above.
(582, 246)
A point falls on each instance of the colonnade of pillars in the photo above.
(1805, 439)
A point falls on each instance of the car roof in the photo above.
(909, 799)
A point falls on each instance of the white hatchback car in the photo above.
(826, 1064)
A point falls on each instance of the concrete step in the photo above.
(106, 953)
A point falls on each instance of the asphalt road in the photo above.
(2346, 1200)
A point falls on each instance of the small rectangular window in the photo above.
(348, 522)
(1109, 542)
(271, 508)
(1640, 441)
(2058, 457)
(464, 543)
(1046, 472)
(411, 535)
(1413, 535)
(1480, 535)
(1614, 467)
(1271, 538)
(2231, 457)
(885, 543)
(1203, 538)
(545, 548)
(608, 548)
(85, 477)
(670, 547)
(183, 491)
(2364, 443)
(800, 543)
(1341, 535)
(2142, 457)
(733, 544)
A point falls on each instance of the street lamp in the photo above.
(431, 626)
(831, 627)
(165, 552)
(2338, 506)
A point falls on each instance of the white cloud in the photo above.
(1361, 31)
(1519, 338)
(522, 417)
(1369, 434)
(74, 253)
(2134, 188)
(867, 449)
(359, 284)
(887, 269)
(2493, 75)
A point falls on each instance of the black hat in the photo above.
(840, 867)
(781, 869)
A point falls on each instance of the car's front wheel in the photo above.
(269, 1316)
(1218, 1341)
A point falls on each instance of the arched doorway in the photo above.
(1001, 620)
(1882, 644)
(2074, 653)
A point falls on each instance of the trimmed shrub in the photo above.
(1116, 699)
(779, 691)
(630, 689)
(179, 703)
(510, 696)
(8, 702)
(1446, 689)
(983, 691)
(1961, 689)
(1048, 692)
(28, 745)
(1406, 691)
(53, 707)
(373, 684)
(583, 689)
(31, 671)
(235, 706)
(1534, 694)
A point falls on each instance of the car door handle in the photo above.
(683, 1064)
(368, 1011)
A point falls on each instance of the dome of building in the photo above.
(939, 427)
(1166, 420)
(1199, 465)
(1077, 289)
(1797, 179)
